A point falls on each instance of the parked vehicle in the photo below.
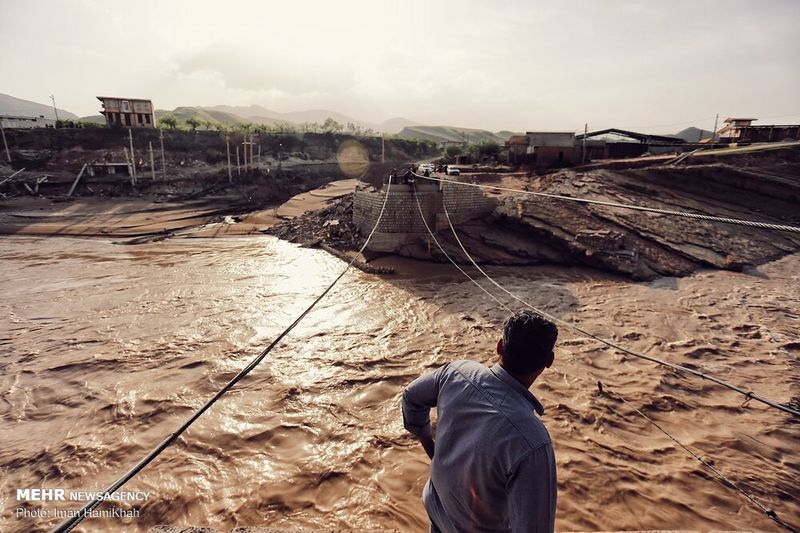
(426, 169)
(453, 171)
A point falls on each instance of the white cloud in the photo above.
(511, 65)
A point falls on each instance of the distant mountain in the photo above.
(317, 115)
(25, 108)
(249, 111)
(262, 115)
(453, 134)
(506, 135)
(185, 112)
(94, 119)
(693, 134)
(395, 125)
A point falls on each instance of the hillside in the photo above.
(185, 112)
(262, 115)
(10, 105)
(395, 125)
(452, 134)
(94, 119)
(693, 135)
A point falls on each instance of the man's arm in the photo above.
(418, 400)
(532, 490)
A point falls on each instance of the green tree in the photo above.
(244, 127)
(484, 149)
(169, 121)
(355, 129)
(193, 122)
(331, 126)
(452, 151)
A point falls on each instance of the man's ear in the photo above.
(500, 347)
(550, 359)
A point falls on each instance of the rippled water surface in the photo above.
(105, 349)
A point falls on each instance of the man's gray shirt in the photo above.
(493, 468)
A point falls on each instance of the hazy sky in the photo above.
(648, 65)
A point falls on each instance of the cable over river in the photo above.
(107, 349)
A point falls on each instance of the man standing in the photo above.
(492, 464)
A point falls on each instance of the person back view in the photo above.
(492, 461)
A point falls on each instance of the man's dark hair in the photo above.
(528, 340)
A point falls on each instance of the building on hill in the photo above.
(517, 146)
(742, 130)
(550, 148)
(128, 112)
(14, 121)
(614, 143)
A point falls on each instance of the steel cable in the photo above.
(610, 344)
(473, 280)
(685, 214)
(770, 513)
(73, 521)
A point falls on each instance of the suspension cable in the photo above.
(610, 344)
(86, 510)
(686, 214)
(473, 280)
(770, 513)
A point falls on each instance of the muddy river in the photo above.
(105, 349)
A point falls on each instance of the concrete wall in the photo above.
(553, 156)
(401, 223)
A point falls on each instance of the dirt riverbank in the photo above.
(527, 230)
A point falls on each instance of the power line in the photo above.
(70, 523)
(685, 214)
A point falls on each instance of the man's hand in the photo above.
(427, 443)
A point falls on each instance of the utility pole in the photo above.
(238, 167)
(8, 154)
(714, 133)
(152, 163)
(163, 159)
(585, 131)
(54, 106)
(244, 153)
(133, 157)
(228, 150)
(383, 149)
(130, 170)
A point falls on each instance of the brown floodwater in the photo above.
(106, 349)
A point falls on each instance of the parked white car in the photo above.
(426, 169)
(453, 171)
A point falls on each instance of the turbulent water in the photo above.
(106, 349)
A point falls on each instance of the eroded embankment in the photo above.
(641, 244)
(525, 229)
